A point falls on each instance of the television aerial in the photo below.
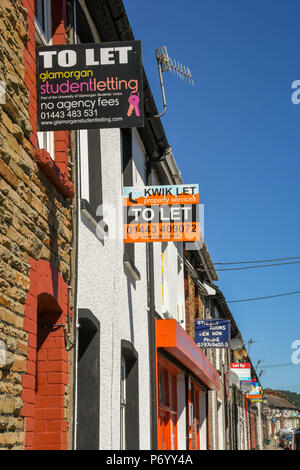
(165, 64)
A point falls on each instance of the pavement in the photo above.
(273, 445)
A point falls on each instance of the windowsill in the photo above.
(131, 269)
(60, 180)
(86, 210)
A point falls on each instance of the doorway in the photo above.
(88, 382)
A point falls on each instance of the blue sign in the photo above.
(212, 333)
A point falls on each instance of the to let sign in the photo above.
(212, 333)
(242, 370)
(161, 213)
(256, 392)
(90, 86)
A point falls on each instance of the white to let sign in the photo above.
(242, 370)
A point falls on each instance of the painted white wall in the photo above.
(203, 420)
(120, 304)
(181, 402)
(169, 285)
(220, 425)
(172, 299)
(213, 413)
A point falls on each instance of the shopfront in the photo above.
(184, 376)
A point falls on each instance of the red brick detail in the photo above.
(55, 171)
(58, 171)
(47, 361)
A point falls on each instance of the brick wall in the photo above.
(190, 303)
(35, 225)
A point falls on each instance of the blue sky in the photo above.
(237, 134)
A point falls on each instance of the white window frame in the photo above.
(44, 38)
(218, 359)
(84, 164)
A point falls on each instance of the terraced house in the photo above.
(36, 193)
(97, 336)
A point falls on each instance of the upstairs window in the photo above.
(43, 25)
(128, 180)
(91, 173)
(43, 34)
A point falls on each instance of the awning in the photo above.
(174, 339)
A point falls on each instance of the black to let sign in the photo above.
(90, 86)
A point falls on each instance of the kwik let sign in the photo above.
(161, 213)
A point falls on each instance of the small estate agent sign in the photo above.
(161, 213)
(212, 333)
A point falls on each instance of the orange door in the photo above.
(167, 406)
(164, 435)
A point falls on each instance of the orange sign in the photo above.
(161, 213)
(175, 340)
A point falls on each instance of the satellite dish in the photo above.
(234, 380)
(236, 343)
(245, 387)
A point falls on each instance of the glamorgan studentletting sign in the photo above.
(161, 213)
(90, 86)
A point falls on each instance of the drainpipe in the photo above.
(151, 328)
(74, 250)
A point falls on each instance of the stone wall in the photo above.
(35, 217)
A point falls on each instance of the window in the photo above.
(42, 10)
(43, 34)
(129, 248)
(46, 141)
(164, 276)
(91, 173)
